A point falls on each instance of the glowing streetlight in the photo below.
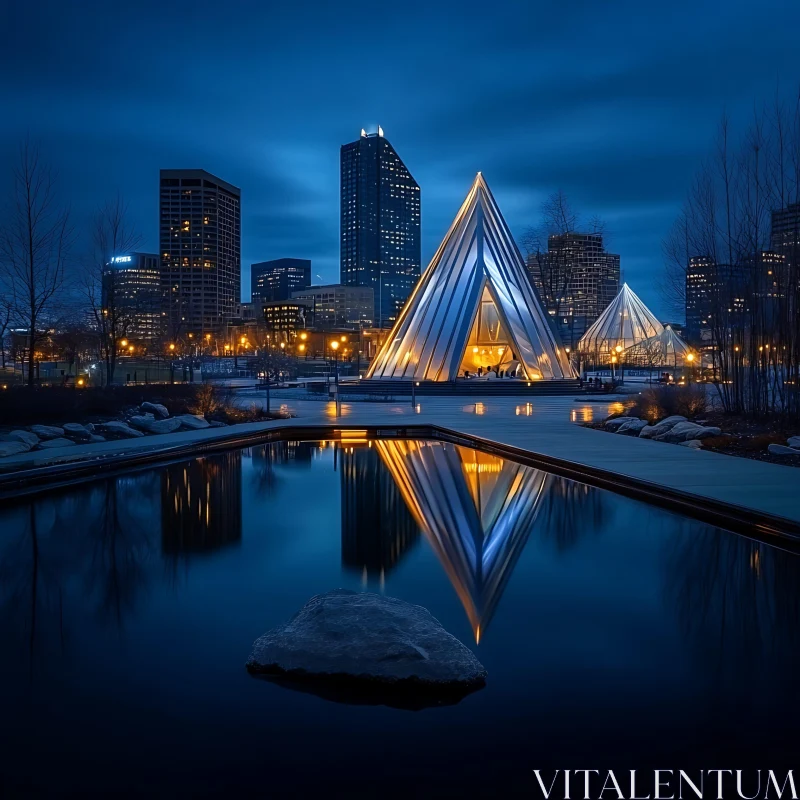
(283, 344)
(80, 381)
(130, 349)
(690, 357)
(303, 336)
(172, 347)
(243, 340)
(301, 347)
(334, 346)
(618, 348)
(124, 343)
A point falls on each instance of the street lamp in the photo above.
(690, 359)
(335, 348)
(123, 343)
(613, 361)
(618, 349)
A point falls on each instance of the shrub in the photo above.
(207, 400)
(665, 401)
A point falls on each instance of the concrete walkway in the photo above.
(546, 426)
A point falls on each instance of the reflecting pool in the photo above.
(615, 635)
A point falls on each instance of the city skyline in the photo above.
(610, 110)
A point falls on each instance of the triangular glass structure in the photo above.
(475, 509)
(626, 322)
(476, 272)
(664, 350)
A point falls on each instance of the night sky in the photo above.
(615, 103)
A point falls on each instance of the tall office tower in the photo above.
(132, 283)
(200, 234)
(576, 280)
(277, 279)
(380, 224)
(700, 277)
(377, 527)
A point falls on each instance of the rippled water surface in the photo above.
(614, 634)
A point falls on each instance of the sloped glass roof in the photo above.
(430, 336)
(626, 322)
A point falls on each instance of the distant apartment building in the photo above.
(200, 235)
(338, 306)
(785, 237)
(277, 279)
(380, 224)
(724, 290)
(576, 280)
(287, 317)
(132, 282)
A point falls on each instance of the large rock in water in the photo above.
(365, 643)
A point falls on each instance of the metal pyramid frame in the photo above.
(476, 510)
(627, 321)
(430, 336)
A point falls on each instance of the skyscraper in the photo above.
(576, 280)
(380, 223)
(200, 235)
(132, 283)
(277, 279)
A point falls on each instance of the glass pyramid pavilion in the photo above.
(473, 307)
(627, 321)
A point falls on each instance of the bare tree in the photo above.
(113, 309)
(6, 312)
(34, 245)
(751, 294)
(551, 274)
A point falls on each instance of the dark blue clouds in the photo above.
(616, 103)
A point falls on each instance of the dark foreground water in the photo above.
(614, 634)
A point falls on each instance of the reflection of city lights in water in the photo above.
(418, 408)
(524, 411)
(478, 408)
(330, 409)
(582, 415)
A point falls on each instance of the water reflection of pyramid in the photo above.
(476, 510)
